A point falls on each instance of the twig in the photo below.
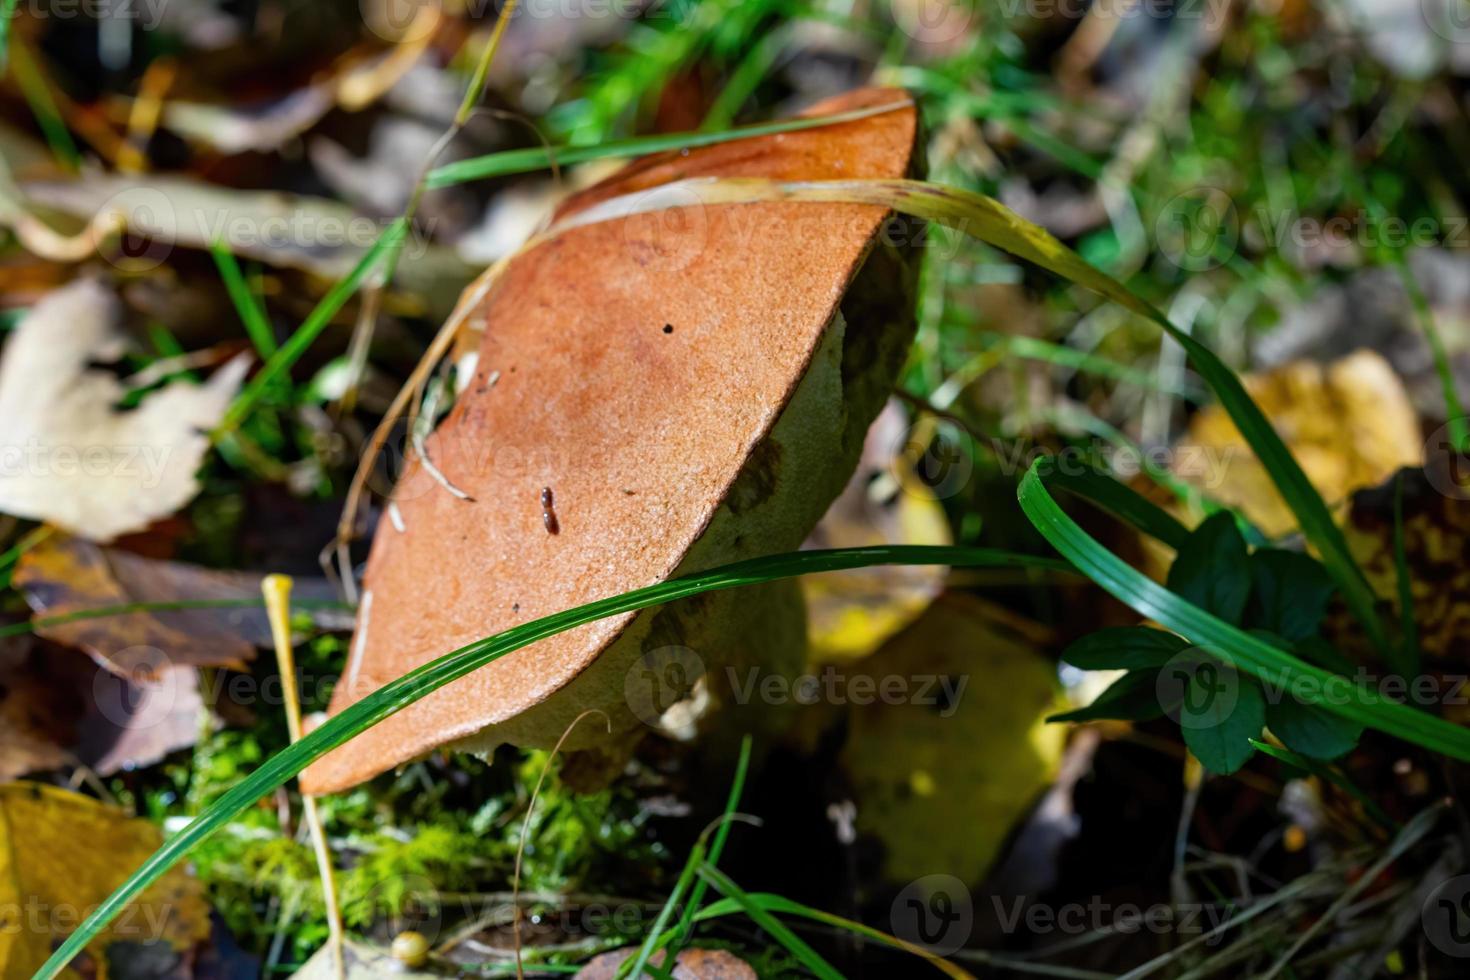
(277, 591)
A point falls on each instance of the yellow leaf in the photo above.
(1350, 423)
(975, 759)
(62, 854)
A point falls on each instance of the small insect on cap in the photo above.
(674, 390)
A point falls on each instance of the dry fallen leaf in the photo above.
(37, 715)
(849, 614)
(1436, 521)
(953, 735)
(60, 855)
(63, 575)
(1349, 423)
(59, 709)
(67, 455)
(296, 231)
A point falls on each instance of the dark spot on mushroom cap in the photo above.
(668, 328)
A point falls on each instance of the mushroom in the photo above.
(653, 395)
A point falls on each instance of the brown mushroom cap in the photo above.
(637, 369)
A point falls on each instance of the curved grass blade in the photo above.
(717, 845)
(1247, 653)
(532, 159)
(785, 906)
(407, 689)
(808, 957)
(1124, 502)
(1328, 774)
(636, 966)
(290, 352)
(991, 222)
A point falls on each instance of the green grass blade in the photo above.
(1124, 502)
(1047, 352)
(399, 693)
(809, 957)
(257, 325)
(1327, 774)
(717, 846)
(1246, 652)
(7, 14)
(781, 905)
(635, 966)
(43, 107)
(660, 936)
(306, 334)
(532, 159)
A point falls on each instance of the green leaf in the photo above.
(1289, 593)
(7, 14)
(532, 159)
(1309, 730)
(1213, 568)
(1132, 697)
(1124, 648)
(1222, 710)
(1247, 653)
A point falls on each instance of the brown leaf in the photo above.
(949, 732)
(65, 575)
(59, 708)
(38, 715)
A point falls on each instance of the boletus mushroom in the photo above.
(654, 395)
